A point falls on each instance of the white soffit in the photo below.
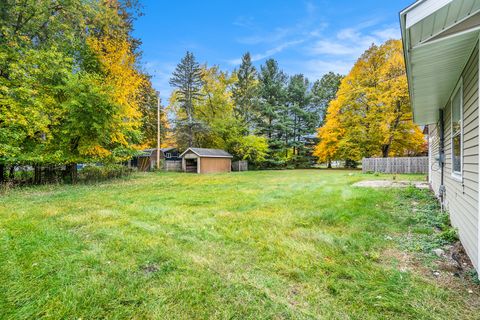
(438, 41)
(436, 69)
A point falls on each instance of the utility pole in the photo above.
(158, 130)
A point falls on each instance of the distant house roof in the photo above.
(209, 153)
(149, 152)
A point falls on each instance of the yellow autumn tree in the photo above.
(371, 114)
(330, 135)
(118, 63)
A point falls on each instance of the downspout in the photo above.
(441, 160)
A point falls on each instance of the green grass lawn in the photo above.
(299, 244)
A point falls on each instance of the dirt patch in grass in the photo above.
(445, 271)
(403, 261)
(391, 184)
(150, 268)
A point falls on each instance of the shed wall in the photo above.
(212, 165)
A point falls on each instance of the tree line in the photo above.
(270, 118)
(71, 89)
(264, 116)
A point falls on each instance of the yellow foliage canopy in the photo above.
(371, 114)
(118, 63)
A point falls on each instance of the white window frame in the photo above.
(458, 175)
(168, 155)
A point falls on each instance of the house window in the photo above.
(457, 136)
(168, 155)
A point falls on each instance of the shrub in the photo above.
(93, 173)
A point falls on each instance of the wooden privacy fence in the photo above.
(170, 165)
(240, 165)
(395, 165)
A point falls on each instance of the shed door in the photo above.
(191, 165)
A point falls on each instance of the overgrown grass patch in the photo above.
(300, 244)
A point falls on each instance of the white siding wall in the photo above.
(461, 197)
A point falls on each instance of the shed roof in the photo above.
(149, 152)
(210, 153)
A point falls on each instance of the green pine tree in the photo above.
(273, 119)
(324, 91)
(187, 81)
(245, 93)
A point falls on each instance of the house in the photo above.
(147, 159)
(200, 160)
(441, 44)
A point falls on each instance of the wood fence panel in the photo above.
(173, 165)
(395, 165)
(240, 165)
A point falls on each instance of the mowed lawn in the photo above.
(301, 244)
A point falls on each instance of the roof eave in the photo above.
(205, 155)
(406, 51)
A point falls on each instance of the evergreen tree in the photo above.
(303, 115)
(324, 91)
(245, 92)
(187, 81)
(273, 113)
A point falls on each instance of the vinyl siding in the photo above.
(461, 196)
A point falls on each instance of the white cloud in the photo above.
(266, 37)
(270, 52)
(330, 47)
(351, 42)
(339, 52)
(244, 22)
(388, 33)
(314, 69)
(281, 37)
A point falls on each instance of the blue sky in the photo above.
(309, 37)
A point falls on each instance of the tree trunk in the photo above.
(2, 173)
(386, 147)
(72, 171)
(329, 164)
(385, 150)
(190, 136)
(37, 176)
(269, 128)
(11, 174)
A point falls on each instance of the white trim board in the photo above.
(422, 9)
(478, 179)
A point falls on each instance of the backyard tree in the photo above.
(148, 109)
(63, 64)
(273, 120)
(215, 109)
(245, 92)
(303, 114)
(371, 115)
(187, 82)
(117, 63)
(324, 91)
